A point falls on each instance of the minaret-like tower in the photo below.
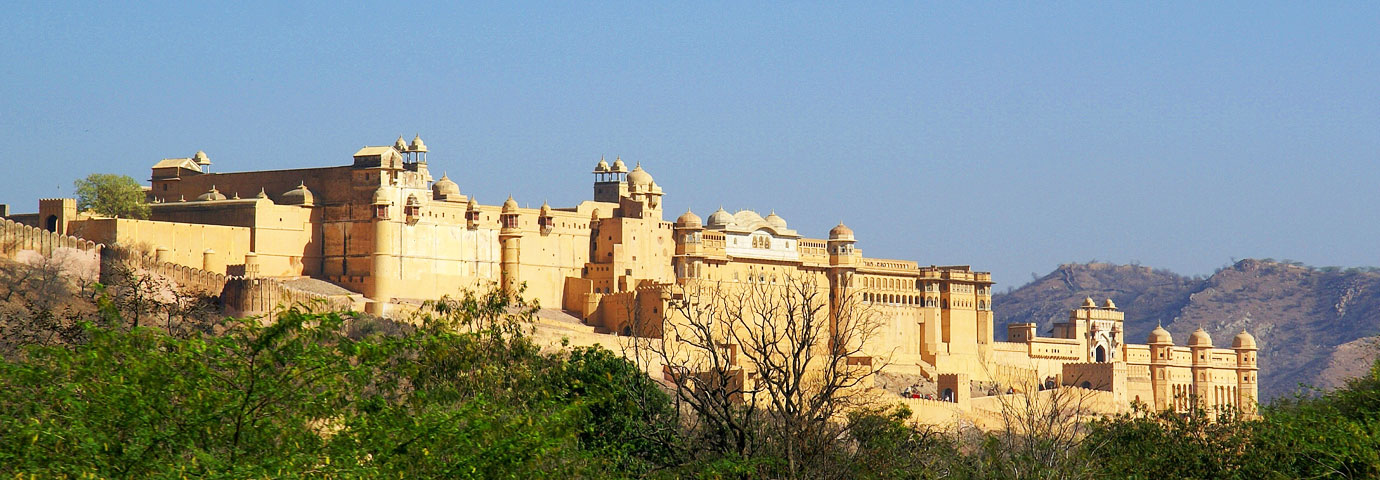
(1161, 348)
(689, 253)
(1200, 343)
(1247, 390)
(510, 237)
(842, 265)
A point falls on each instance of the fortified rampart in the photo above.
(240, 295)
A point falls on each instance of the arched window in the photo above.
(1101, 354)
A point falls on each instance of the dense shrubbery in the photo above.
(463, 392)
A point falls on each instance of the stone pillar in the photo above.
(510, 237)
(511, 261)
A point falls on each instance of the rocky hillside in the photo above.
(1315, 326)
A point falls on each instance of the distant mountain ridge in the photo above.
(1314, 326)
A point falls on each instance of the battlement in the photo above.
(15, 236)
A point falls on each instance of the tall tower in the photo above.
(1247, 391)
(510, 237)
(1161, 346)
(689, 257)
(1201, 345)
(383, 273)
(842, 265)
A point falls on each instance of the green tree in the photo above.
(111, 195)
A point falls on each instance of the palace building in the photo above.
(381, 226)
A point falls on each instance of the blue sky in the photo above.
(1012, 137)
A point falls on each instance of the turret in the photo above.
(841, 241)
(1200, 344)
(1247, 388)
(689, 230)
(609, 184)
(545, 221)
(843, 264)
(384, 272)
(1161, 348)
(510, 236)
(472, 214)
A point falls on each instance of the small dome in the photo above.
(1199, 338)
(1109, 304)
(383, 196)
(473, 206)
(545, 209)
(688, 220)
(720, 218)
(1243, 340)
(200, 158)
(602, 167)
(639, 177)
(510, 205)
(1160, 336)
(619, 166)
(1089, 303)
(776, 221)
(299, 196)
(841, 232)
(262, 194)
(211, 194)
(444, 188)
(417, 145)
(400, 145)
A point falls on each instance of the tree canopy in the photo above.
(111, 195)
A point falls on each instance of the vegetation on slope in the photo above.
(464, 393)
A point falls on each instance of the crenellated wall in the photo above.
(16, 237)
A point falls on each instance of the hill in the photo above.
(1314, 325)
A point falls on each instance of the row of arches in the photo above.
(916, 300)
(1220, 397)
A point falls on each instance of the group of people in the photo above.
(994, 391)
(913, 391)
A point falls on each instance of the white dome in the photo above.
(776, 221)
(720, 218)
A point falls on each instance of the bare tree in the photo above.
(1041, 434)
(694, 355)
(781, 360)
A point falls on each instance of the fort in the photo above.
(386, 235)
